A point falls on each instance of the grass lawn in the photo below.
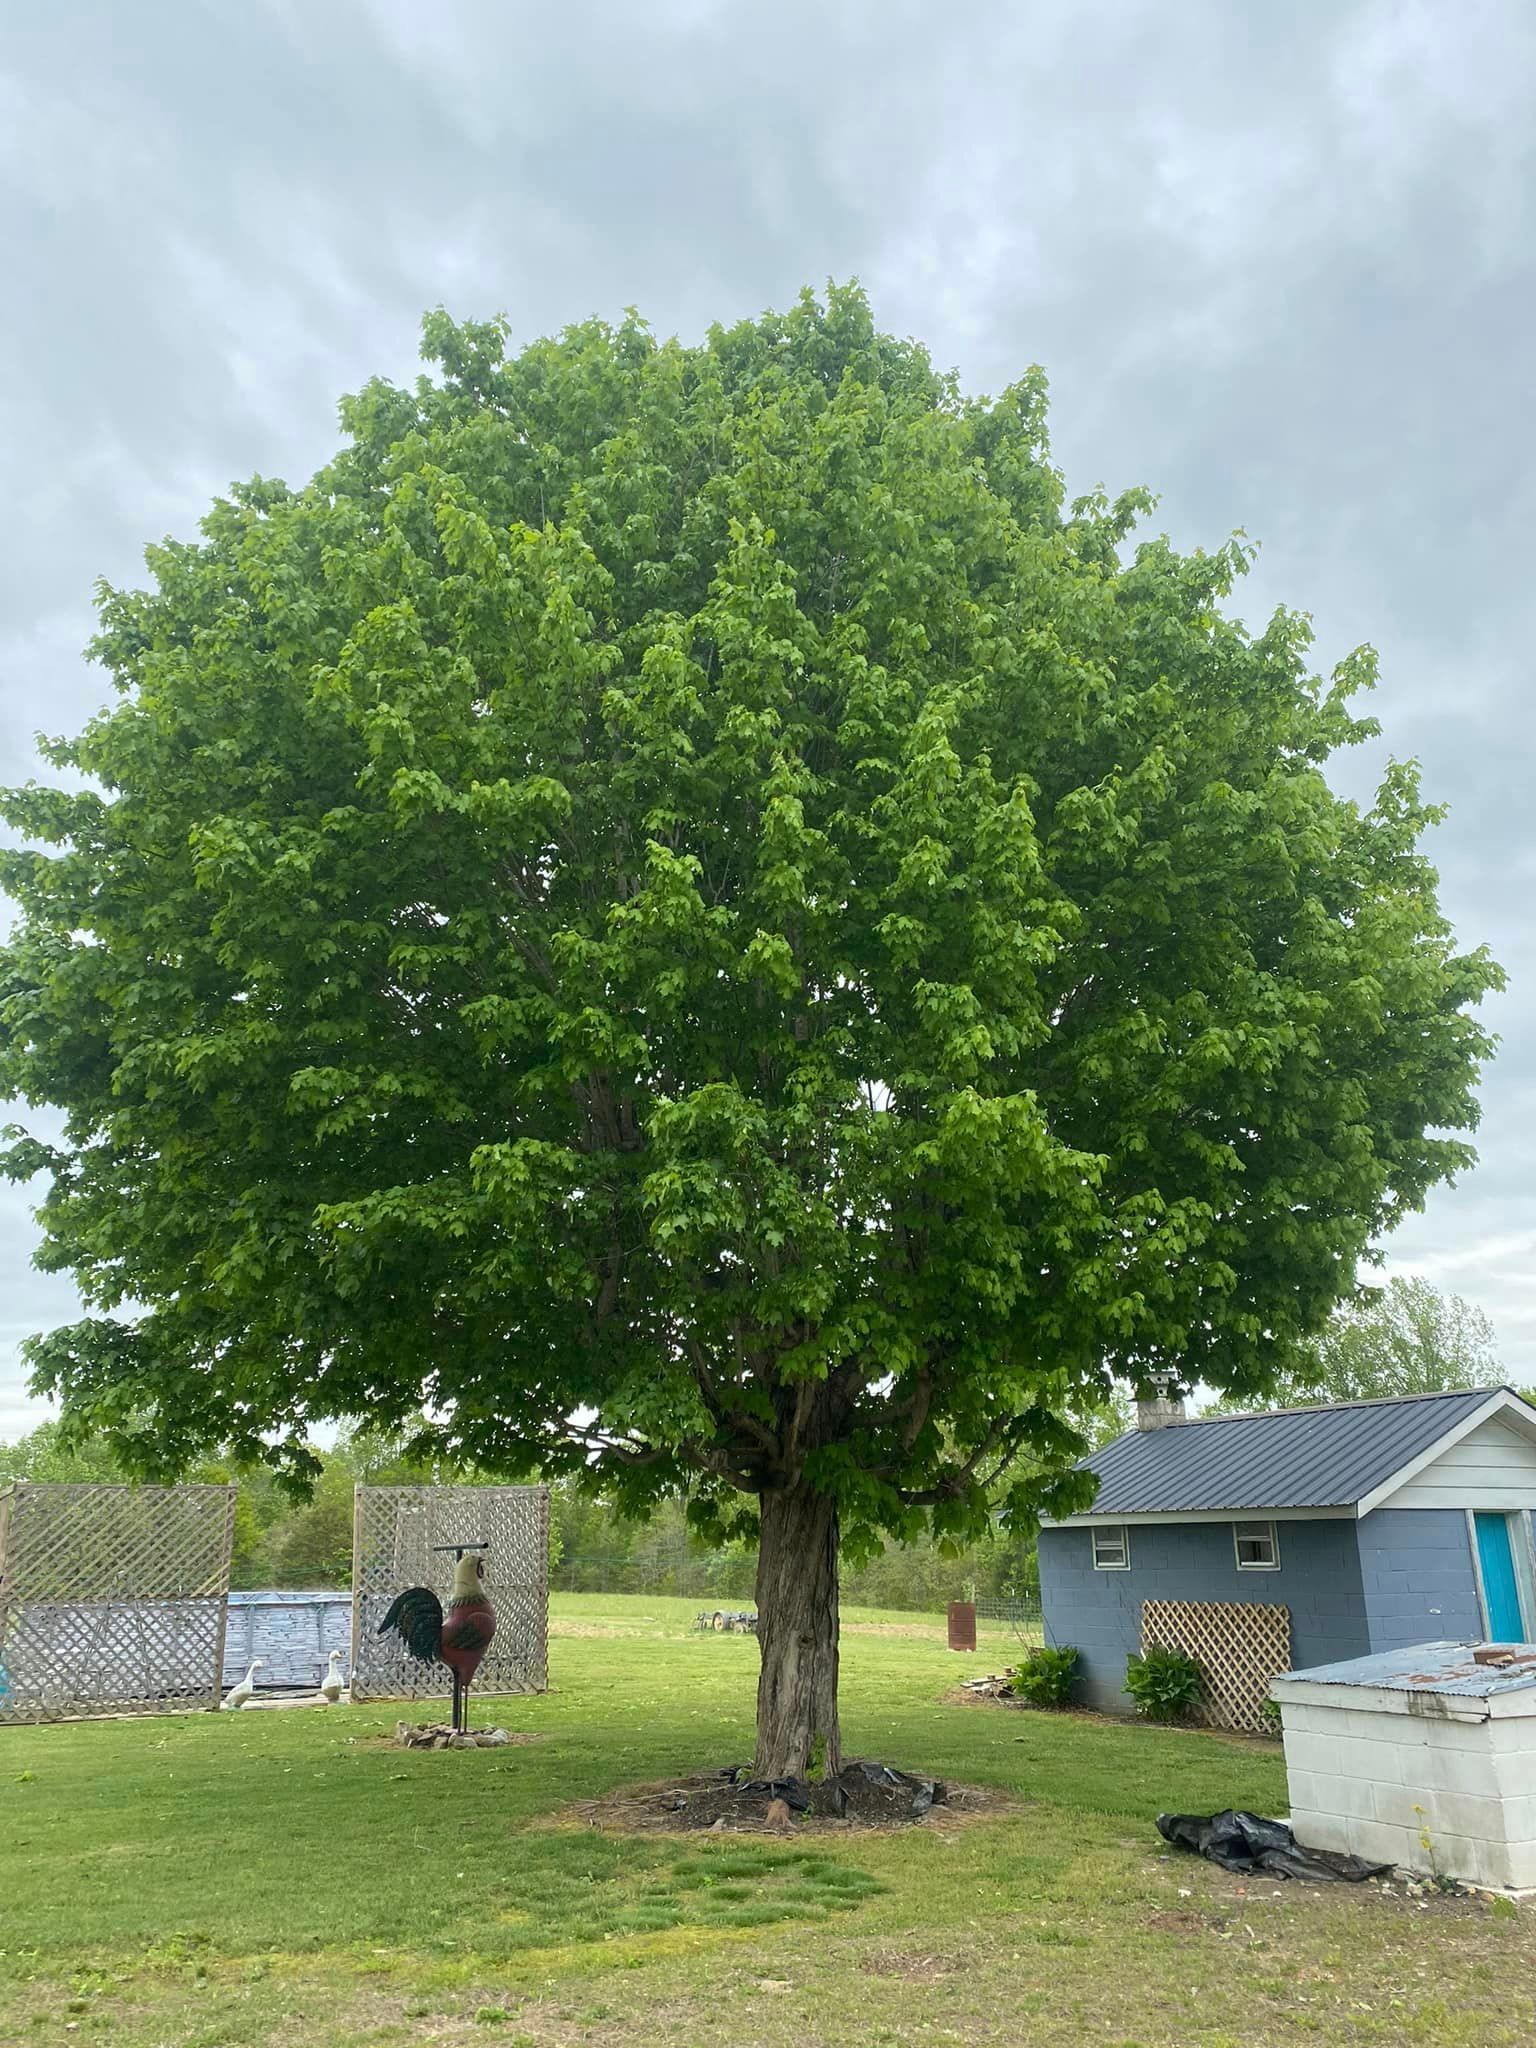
(210, 1881)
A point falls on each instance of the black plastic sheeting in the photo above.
(922, 1791)
(790, 1790)
(1244, 1843)
(912, 1797)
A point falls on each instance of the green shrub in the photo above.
(1045, 1677)
(1165, 1684)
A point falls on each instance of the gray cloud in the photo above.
(1278, 263)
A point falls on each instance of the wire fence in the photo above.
(687, 1574)
(1020, 1612)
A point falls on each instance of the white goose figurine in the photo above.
(239, 1694)
(330, 1685)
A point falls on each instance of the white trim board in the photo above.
(1096, 1521)
(1507, 1407)
(1493, 1466)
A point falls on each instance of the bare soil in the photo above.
(852, 1802)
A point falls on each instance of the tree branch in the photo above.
(958, 1479)
(722, 1411)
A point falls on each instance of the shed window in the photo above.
(1112, 1548)
(1258, 1549)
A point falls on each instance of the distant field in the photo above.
(660, 1614)
(288, 1881)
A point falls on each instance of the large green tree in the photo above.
(1404, 1338)
(678, 906)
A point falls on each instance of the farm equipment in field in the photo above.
(721, 1620)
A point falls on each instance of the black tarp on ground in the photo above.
(1244, 1843)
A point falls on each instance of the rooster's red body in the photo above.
(459, 1638)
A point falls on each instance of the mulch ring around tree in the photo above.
(862, 1795)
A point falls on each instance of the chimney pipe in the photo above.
(1161, 1408)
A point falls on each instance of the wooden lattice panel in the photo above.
(396, 1530)
(1239, 1650)
(112, 1599)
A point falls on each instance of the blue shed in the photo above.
(1262, 1543)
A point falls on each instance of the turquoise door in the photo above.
(1501, 1589)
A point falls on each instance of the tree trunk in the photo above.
(797, 1635)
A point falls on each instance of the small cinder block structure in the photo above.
(1422, 1757)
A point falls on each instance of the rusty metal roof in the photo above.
(1428, 1667)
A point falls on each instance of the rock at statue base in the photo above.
(438, 1735)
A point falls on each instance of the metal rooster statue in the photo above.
(459, 1638)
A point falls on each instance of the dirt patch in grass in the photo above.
(705, 1801)
(904, 1963)
(921, 1628)
(661, 1628)
(1189, 1923)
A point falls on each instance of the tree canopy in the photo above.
(1404, 1338)
(682, 908)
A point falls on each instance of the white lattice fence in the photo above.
(112, 1598)
(1239, 1649)
(396, 1531)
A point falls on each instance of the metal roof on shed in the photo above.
(1425, 1667)
(1289, 1458)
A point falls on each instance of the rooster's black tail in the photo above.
(416, 1616)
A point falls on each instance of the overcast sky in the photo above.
(1277, 261)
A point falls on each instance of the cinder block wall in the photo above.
(1377, 1781)
(1099, 1612)
(1417, 1575)
(1318, 1580)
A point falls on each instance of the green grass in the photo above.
(212, 1881)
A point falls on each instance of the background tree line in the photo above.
(282, 1542)
(1403, 1338)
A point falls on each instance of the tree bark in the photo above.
(797, 1634)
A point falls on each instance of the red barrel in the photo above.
(962, 1624)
